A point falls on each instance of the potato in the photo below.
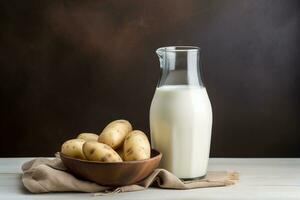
(100, 152)
(88, 136)
(136, 146)
(114, 133)
(73, 148)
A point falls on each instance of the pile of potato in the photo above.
(116, 143)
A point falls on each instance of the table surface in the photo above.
(262, 178)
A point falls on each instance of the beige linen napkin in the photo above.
(43, 175)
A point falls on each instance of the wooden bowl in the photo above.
(113, 173)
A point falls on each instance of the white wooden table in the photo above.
(259, 179)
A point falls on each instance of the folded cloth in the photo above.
(43, 175)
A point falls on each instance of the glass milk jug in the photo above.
(180, 113)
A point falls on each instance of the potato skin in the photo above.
(136, 146)
(100, 152)
(73, 148)
(88, 136)
(115, 132)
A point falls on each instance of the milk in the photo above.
(180, 123)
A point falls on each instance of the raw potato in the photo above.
(88, 136)
(114, 133)
(136, 146)
(73, 148)
(100, 152)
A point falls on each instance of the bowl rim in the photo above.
(159, 155)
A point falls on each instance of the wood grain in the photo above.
(113, 173)
(259, 179)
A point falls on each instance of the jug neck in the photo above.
(180, 65)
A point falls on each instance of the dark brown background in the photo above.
(73, 66)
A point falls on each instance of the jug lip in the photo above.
(178, 49)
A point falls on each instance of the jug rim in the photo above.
(178, 49)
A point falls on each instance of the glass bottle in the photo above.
(180, 113)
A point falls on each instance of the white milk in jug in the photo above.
(180, 122)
